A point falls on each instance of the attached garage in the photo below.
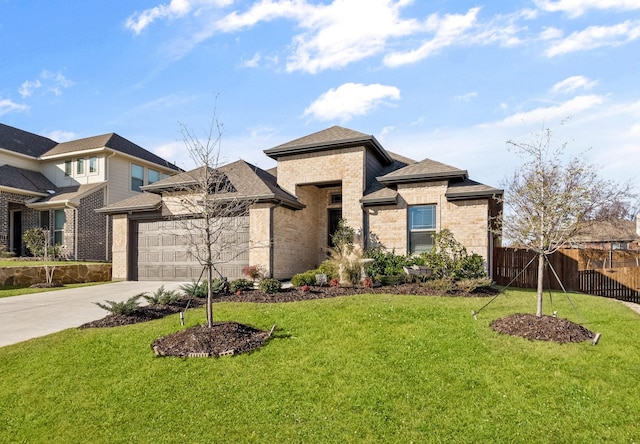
(164, 253)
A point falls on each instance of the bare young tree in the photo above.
(212, 216)
(548, 201)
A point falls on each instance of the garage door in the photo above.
(165, 252)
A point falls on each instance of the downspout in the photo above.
(271, 241)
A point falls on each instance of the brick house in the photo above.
(319, 179)
(59, 186)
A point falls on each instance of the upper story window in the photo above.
(137, 177)
(80, 167)
(153, 176)
(93, 165)
(67, 168)
(421, 227)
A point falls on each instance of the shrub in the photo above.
(329, 268)
(254, 272)
(441, 285)
(393, 279)
(334, 282)
(270, 286)
(195, 289)
(449, 258)
(471, 285)
(470, 267)
(162, 297)
(367, 282)
(306, 278)
(305, 288)
(35, 240)
(386, 263)
(241, 285)
(127, 308)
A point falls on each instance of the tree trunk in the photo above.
(541, 257)
(209, 297)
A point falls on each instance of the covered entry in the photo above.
(163, 251)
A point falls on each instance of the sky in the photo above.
(451, 81)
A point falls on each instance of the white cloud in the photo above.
(448, 30)
(555, 112)
(61, 136)
(28, 86)
(467, 97)
(253, 62)
(575, 8)
(573, 83)
(8, 106)
(349, 100)
(596, 37)
(138, 21)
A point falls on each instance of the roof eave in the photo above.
(382, 201)
(470, 195)
(274, 153)
(74, 153)
(130, 209)
(423, 177)
(22, 192)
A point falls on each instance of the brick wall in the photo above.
(92, 228)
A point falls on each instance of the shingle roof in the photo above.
(71, 194)
(426, 169)
(470, 189)
(26, 180)
(112, 141)
(376, 193)
(248, 182)
(144, 201)
(330, 138)
(23, 142)
(608, 231)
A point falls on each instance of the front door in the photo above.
(16, 233)
(335, 214)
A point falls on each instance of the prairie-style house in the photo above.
(295, 207)
(58, 186)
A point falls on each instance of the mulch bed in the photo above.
(228, 338)
(544, 328)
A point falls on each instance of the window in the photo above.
(137, 177)
(336, 198)
(153, 176)
(80, 167)
(67, 168)
(422, 226)
(58, 227)
(93, 165)
(44, 220)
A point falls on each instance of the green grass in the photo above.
(363, 369)
(17, 290)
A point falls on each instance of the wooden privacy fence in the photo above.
(510, 267)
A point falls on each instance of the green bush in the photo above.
(470, 267)
(270, 286)
(128, 307)
(241, 285)
(441, 285)
(387, 263)
(393, 279)
(195, 289)
(35, 240)
(162, 297)
(329, 268)
(306, 278)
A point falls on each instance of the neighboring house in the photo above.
(609, 235)
(59, 186)
(319, 179)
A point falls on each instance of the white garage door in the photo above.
(165, 253)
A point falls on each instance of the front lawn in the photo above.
(17, 290)
(366, 368)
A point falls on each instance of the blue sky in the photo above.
(447, 80)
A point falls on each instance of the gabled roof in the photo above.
(247, 182)
(329, 139)
(31, 182)
(67, 195)
(23, 142)
(470, 189)
(144, 201)
(426, 169)
(608, 231)
(112, 141)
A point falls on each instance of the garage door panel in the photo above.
(163, 252)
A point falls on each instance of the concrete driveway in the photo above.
(39, 314)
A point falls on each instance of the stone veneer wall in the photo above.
(63, 274)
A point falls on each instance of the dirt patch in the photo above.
(544, 328)
(223, 338)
